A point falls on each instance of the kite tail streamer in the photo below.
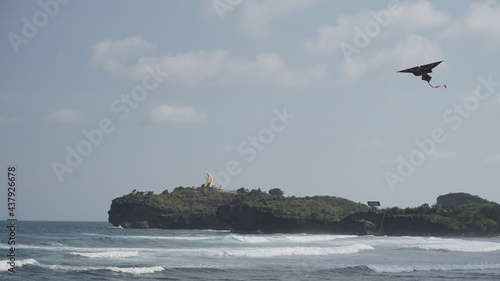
(436, 86)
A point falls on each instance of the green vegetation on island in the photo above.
(255, 210)
(185, 200)
(321, 208)
(198, 207)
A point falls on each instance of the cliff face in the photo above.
(139, 215)
(245, 218)
(370, 223)
(271, 214)
(183, 209)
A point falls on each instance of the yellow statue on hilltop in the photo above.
(209, 180)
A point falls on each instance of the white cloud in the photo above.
(330, 37)
(173, 114)
(256, 15)
(271, 68)
(412, 50)
(122, 57)
(64, 115)
(480, 23)
(408, 17)
(418, 15)
(192, 68)
(5, 120)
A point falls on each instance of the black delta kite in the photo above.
(423, 71)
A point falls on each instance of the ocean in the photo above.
(97, 251)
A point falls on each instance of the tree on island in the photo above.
(276, 192)
(242, 191)
(179, 188)
(256, 192)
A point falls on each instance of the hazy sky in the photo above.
(99, 98)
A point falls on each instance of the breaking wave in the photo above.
(4, 266)
(293, 251)
(109, 254)
(437, 267)
(128, 270)
(469, 246)
(287, 238)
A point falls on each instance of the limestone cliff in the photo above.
(245, 218)
(141, 215)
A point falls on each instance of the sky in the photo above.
(98, 98)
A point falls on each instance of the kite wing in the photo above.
(428, 67)
(415, 70)
(423, 71)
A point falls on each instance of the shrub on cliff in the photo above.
(320, 208)
(276, 192)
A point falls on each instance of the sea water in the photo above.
(98, 251)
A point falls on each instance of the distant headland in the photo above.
(256, 211)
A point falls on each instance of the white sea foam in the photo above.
(316, 238)
(250, 239)
(128, 270)
(136, 270)
(4, 266)
(108, 254)
(287, 238)
(143, 237)
(72, 250)
(457, 245)
(292, 251)
(115, 227)
(435, 267)
(437, 244)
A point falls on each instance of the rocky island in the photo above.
(256, 211)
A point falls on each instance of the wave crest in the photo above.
(295, 251)
(4, 266)
(110, 254)
(437, 267)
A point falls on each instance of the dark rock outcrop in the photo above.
(244, 218)
(140, 215)
(370, 223)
